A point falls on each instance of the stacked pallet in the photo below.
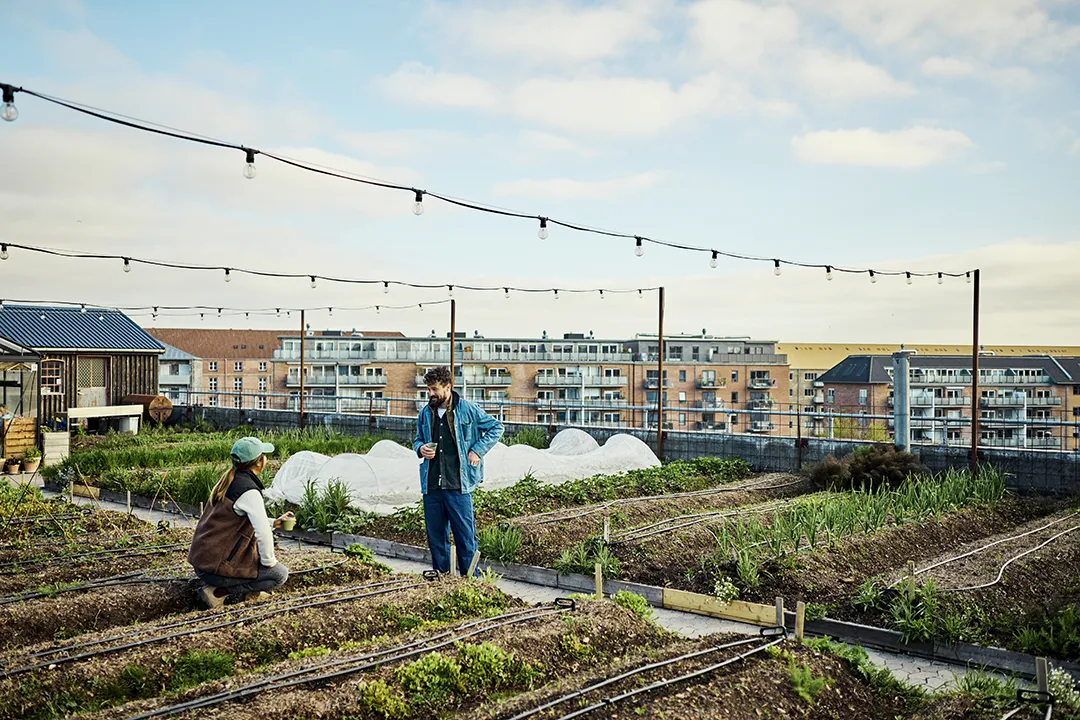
(18, 437)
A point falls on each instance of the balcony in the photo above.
(580, 380)
(760, 426)
(1044, 401)
(180, 379)
(761, 404)
(761, 383)
(485, 380)
(710, 404)
(654, 383)
(364, 380)
(712, 384)
(819, 399)
(1009, 401)
(310, 380)
(710, 427)
(1044, 443)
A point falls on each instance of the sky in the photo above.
(900, 135)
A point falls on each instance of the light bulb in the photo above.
(219, 312)
(3, 252)
(601, 294)
(153, 317)
(42, 316)
(969, 276)
(776, 267)
(639, 250)
(277, 312)
(10, 112)
(556, 294)
(421, 307)
(385, 288)
(873, 277)
(249, 167)
(940, 279)
(228, 277)
(202, 316)
(450, 291)
(828, 272)
(543, 229)
(377, 310)
(908, 277)
(506, 293)
(101, 316)
(714, 262)
(82, 308)
(312, 282)
(418, 206)
(331, 310)
(127, 265)
(639, 295)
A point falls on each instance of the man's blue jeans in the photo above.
(446, 510)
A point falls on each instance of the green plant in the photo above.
(377, 697)
(532, 435)
(803, 681)
(867, 467)
(1055, 635)
(723, 589)
(313, 651)
(198, 666)
(430, 681)
(582, 559)
(354, 522)
(467, 601)
(978, 683)
(360, 552)
(32, 454)
(747, 569)
(869, 594)
(500, 543)
(914, 611)
(319, 510)
(489, 667)
(878, 678)
(634, 603)
(1063, 688)
(816, 611)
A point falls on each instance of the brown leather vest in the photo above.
(224, 543)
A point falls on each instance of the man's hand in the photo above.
(277, 523)
(426, 452)
(474, 459)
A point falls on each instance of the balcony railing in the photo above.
(710, 404)
(712, 384)
(1044, 401)
(488, 380)
(918, 378)
(761, 404)
(761, 383)
(580, 380)
(654, 383)
(324, 380)
(311, 380)
(761, 426)
(1009, 401)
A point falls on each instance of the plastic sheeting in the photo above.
(388, 477)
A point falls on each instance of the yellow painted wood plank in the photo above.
(738, 610)
(88, 491)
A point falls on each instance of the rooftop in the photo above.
(43, 327)
(874, 369)
(818, 356)
(216, 344)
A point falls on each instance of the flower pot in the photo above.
(30, 466)
(11, 468)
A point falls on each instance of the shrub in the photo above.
(197, 667)
(533, 436)
(377, 697)
(430, 681)
(489, 667)
(320, 510)
(724, 590)
(1063, 688)
(360, 552)
(634, 603)
(867, 467)
(582, 559)
(500, 543)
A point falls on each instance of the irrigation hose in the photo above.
(630, 673)
(193, 631)
(82, 538)
(20, 565)
(200, 619)
(987, 546)
(637, 534)
(607, 702)
(376, 659)
(1010, 561)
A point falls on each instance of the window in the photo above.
(238, 384)
(260, 403)
(675, 352)
(682, 397)
(1076, 412)
(52, 377)
(790, 376)
(612, 372)
(238, 366)
(612, 418)
(263, 382)
(212, 366)
(212, 384)
(734, 376)
(174, 369)
(682, 418)
(734, 419)
(810, 377)
(543, 419)
(734, 397)
(830, 395)
(808, 392)
(238, 402)
(262, 366)
(862, 396)
(213, 401)
(682, 376)
(373, 372)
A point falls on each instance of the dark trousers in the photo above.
(267, 579)
(446, 510)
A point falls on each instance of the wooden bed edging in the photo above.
(97, 493)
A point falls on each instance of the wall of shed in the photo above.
(127, 373)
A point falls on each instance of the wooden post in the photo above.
(909, 586)
(779, 612)
(800, 619)
(1041, 680)
(474, 563)
(975, 379)
(607, 528)
(660, 383)
(453, 337)
(598, 572)
(202, 509)
(453, 559)
(128, 502)
(303, 343)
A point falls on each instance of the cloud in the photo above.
(987, 167)
(913, 148)
(741, 35)
(570, 188)
(416, 84)
(402, 143)
(1075, 149)
(947, 67)
(547, 31)
(833, 76)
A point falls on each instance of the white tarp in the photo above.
(388, 476)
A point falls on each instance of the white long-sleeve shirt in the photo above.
(251, 505)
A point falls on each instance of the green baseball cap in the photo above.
(249, 449)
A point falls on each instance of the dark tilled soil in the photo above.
(544, 543)
(251, 644)
(96, 569)
(601, 631)
(50, 548)
(92, 522)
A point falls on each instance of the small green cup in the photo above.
(288, 524)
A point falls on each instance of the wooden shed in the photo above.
(18, 399)
(87, 357)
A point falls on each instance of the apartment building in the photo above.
(1022, 400)
(235, 367)
(180, 373)
(710, 383)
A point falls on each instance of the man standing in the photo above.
(452, 437)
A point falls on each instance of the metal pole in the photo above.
(975, 378)
(453, 336)
(302, 346)
(660, 384)
(902, 400)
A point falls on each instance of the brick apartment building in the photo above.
(1021, 400)
(229, 365)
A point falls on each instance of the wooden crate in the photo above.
(19, 436)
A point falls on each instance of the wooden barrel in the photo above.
(156, 407)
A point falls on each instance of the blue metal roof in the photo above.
(65, 328)
(175, 353)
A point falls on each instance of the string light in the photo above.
(543, 234)
(601, 294)
(378, 310)
(202, 316)
(828, 272)
(219, 312)
(385, 287)
(639, 249)
(873, 278)
(9, 112)
(418, 205)
(249, 165)
(639, 295)
(3, 252)
(506, 293)
(715, 261)
(228, 277)
(329, 309)
(277, 312)
(82, 309)
(968, 276)
(940, 279)
(312, 282)
(127, 265)
(908, 277)
(556, 294)
(421, 306)
(450, 291)
(776, 267)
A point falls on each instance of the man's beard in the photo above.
(434, 402)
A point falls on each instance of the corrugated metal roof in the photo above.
(58, 328)
(175, 353)
(875, 368)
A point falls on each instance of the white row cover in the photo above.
(388, 476)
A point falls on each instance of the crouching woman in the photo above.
(232, 549)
